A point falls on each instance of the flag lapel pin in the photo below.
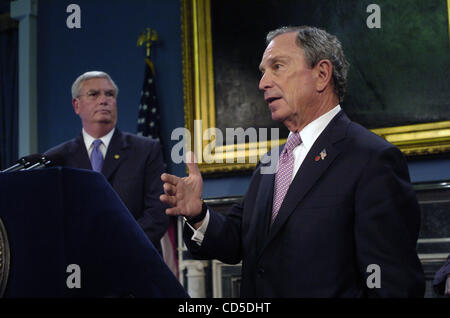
(321, 156)
(323, 153)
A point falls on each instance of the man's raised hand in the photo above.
(184, 195)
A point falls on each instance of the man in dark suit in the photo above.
(441, 281)
(132, 164)
(339, 218)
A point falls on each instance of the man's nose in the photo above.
(103, 99)
(265, 82)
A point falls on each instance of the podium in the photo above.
(69, 235)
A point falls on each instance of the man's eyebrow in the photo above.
(273, 60)
(279, 58)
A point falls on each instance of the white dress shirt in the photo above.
(89, 142)
(309, 134)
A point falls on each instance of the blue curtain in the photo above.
(9, 102)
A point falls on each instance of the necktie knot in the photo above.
(97, 156)
(97, 143)
(293, 141)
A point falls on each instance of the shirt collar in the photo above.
(312, 131)
(88, 139)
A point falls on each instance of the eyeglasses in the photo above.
(94, 94)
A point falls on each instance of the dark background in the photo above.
(399, 74)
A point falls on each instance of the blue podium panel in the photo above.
(70, 235)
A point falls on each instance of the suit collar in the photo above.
(79, 153)
(311, 169)
(115, 154)
(312, 131)
(106, 139)
(263, 208)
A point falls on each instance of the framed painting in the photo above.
(398, 82)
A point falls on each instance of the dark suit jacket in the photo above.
(440, 277)
(354, 208)
(133, 165)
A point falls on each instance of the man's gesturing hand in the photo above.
(184, 195)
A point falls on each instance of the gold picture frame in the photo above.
(200, 112)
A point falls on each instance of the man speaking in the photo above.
(339, 218)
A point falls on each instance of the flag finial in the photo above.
(147, 37)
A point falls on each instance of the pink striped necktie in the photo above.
(283, 176)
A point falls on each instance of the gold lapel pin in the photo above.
(116, 157)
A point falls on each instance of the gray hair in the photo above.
(76, 86)
(319, 45)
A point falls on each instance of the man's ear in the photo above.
(76, 107)
(324, 73)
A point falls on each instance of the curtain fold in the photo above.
(9, 97)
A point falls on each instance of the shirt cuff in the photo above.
(199, 233)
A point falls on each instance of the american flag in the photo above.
(148, 117)
(148, 125)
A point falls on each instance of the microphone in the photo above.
(24, 162)
(46, 161)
